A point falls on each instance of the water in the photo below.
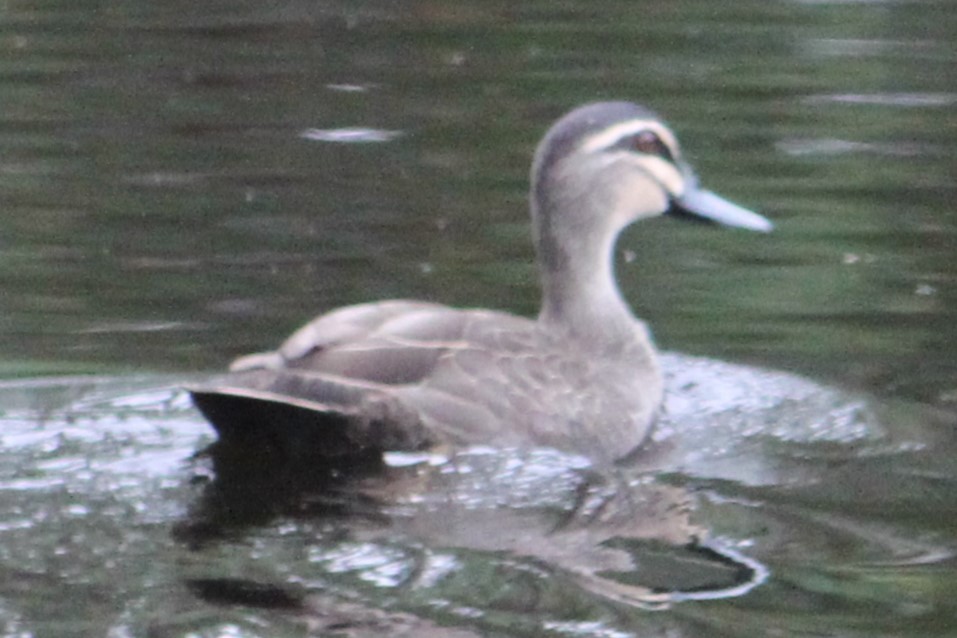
(185, 183)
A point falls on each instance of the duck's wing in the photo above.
(512, 385)
(352, 381)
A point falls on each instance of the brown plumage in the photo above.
(408, 375)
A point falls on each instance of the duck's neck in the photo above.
(580, 294)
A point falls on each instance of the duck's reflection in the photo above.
(622, 535)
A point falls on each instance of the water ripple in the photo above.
(349, 135)
(907, 100)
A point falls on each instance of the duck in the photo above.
(410, 376)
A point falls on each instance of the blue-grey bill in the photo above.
(707, 205)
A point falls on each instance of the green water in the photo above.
(162, 212)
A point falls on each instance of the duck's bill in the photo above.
(708, 206)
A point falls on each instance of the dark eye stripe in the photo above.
(647, 143)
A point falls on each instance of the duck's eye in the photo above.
(650, 144)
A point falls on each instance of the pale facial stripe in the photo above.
(614, 134)
(663, 171)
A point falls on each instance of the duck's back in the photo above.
(404, 375)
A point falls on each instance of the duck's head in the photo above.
(605, 165)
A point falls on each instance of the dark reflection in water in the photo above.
(626, 539)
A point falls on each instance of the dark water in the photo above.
(184, 182)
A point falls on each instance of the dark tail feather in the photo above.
(336, 420)
(286, 429)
